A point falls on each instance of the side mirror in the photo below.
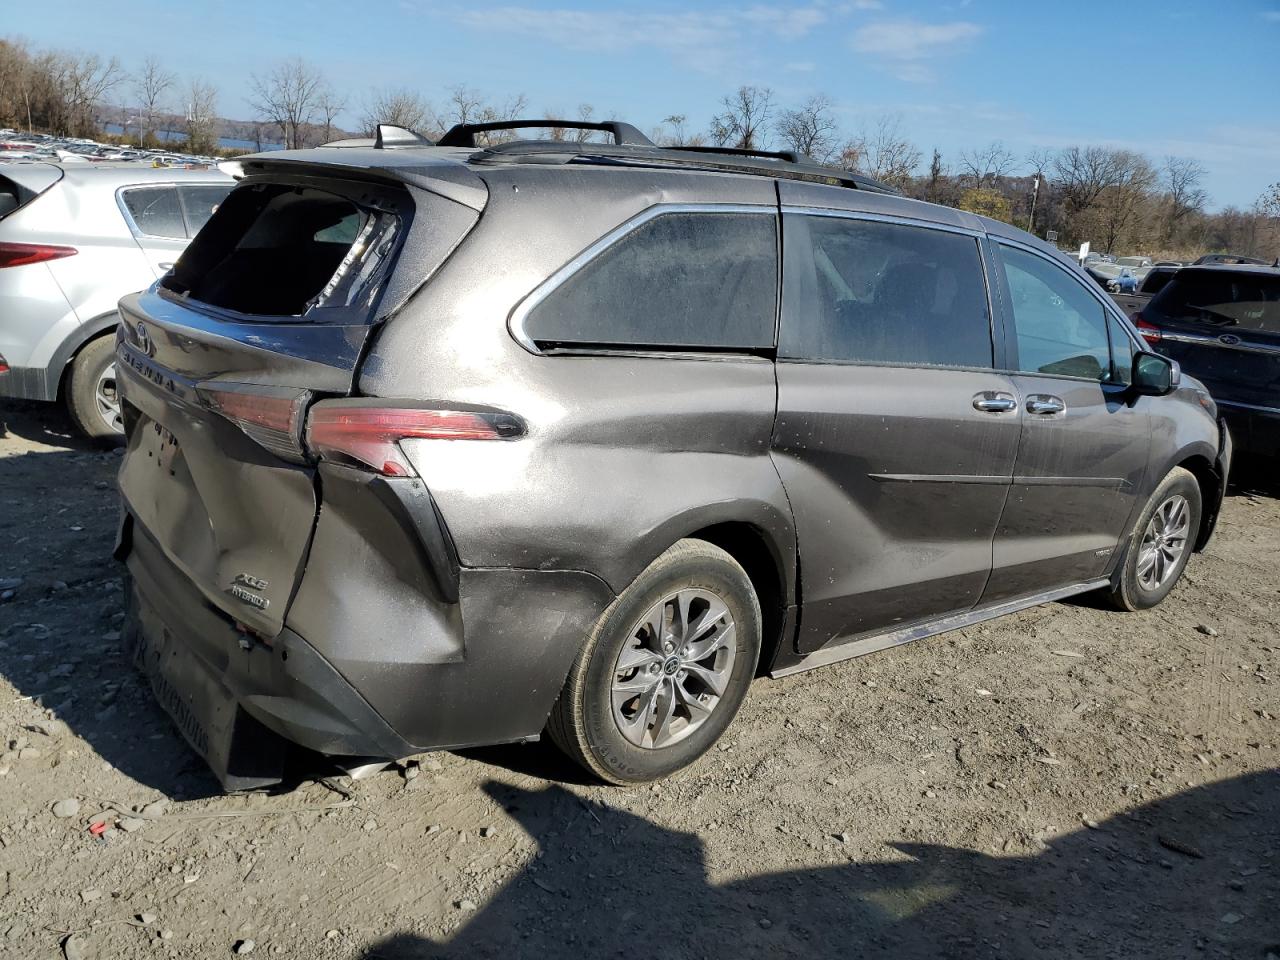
(1154, 375)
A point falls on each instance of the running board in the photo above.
(860, 647)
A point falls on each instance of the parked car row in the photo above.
(42, 146)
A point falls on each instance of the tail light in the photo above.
(21, 254)
(4, 364)
(1149, 331)
(271, 416)
(370, 435)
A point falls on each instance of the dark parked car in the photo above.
(1230, 258)
(1222, 323)
(431, 447)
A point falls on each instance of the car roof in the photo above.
(112, 175)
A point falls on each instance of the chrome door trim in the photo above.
(520, 313)
(862, 645)
(1247, 406)
(1244, 346)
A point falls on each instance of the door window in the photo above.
(866, 291)
(698, 279)
(156, 211)
(1059, 327)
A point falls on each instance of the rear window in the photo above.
(288, 251)
(1222, 299)
(697, 280)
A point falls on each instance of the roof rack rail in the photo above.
(724, 160)
(464, 134)
(790, 156)
(389, 135)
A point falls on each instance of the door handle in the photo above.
(166, 266)
(994, 401)
(1044, 404)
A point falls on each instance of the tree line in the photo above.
(1120, 200)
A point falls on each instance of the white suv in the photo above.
(73, 241)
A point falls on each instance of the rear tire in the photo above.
(665, 669)
(1160, 544)
(92, 396)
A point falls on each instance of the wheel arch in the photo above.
(766, 550)
(1211, 490)
(60, 364)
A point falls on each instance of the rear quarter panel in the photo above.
(623, 454)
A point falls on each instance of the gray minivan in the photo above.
(434, 446)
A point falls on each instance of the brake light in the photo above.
(4, 364)
(1150, 332)
(371, 435)
(21, 254)
(271, 416)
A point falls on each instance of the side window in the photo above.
(1060, 328)
(872, 292)
(1121, 352)
(199, 202)
(156, 211)
(679, 280)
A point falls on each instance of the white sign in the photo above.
(1084, 250)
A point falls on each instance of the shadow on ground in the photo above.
(1192, 875)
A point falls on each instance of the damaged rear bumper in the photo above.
(240, 702)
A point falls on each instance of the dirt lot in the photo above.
(1064, 782)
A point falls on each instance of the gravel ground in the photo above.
(1064, 782)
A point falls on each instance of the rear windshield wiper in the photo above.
(1226, 319)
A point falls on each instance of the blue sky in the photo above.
(1174, 77)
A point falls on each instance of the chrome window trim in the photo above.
(521, 311)
(880, 218)
(977, 235)
(133, 224)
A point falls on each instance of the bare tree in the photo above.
(85, 79)
(399, 107)
(202, 116)
(809, 129)
(329, 104)
(883, 152)
(469, 106)
(288, 97)
(1082, 174)
(1183, 195)
(150, 85)
(1134, 177)
(986, 163)
(934, 184)
(745, 120)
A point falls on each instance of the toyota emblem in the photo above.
(143, 338)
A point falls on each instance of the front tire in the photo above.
(93, 399)
(1160, 543)
(665, 669)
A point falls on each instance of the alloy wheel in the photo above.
(107, 399)
(674, 668)
(1164, 542)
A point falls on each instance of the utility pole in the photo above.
(1035, 195)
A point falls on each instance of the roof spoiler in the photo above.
(464, 134)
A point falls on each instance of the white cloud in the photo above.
(1272, 15)
(904, 46)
